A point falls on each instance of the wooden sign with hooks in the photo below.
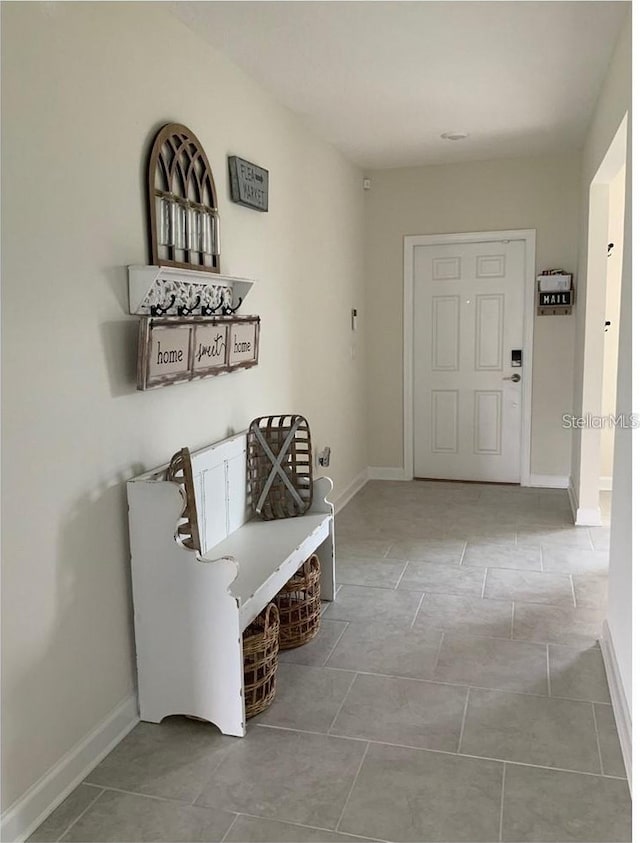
(178, 350)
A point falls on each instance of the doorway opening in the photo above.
(591, 486)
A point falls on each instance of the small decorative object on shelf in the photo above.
(299, 606)
(260, 645)
(184, 227)
(179, 471)
(280, 466)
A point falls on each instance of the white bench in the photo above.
(191, 608)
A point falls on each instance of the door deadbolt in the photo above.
(515, 378)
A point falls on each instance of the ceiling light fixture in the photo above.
(454, 136)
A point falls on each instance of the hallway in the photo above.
(456, 692)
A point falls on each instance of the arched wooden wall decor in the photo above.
(184, 226)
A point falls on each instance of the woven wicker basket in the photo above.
(299, 606)
(260, 647)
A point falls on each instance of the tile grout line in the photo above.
(548, 672)
(464, 550)
(341, 706)
(504, 776)
(331, 652)
(595, 723)
(82, 813)
(513, 619)
(430, 590)
(415, 614)
(464, 717)
(573, 592)
(437, 751)
(484, 583)
(437, 658)
(171, 799)
(301, 825)
(214, 770)
(399, 580)
(353, 784)
(432, 681)
(233, 822)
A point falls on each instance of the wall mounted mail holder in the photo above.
(555, 294)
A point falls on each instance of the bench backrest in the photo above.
(220, 486)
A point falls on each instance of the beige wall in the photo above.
(84, 88)
(539, 193)
(612, 314)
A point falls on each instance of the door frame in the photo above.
(410, 242)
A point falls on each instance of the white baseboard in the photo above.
(586, 517)
(386, 473)
(606, 484)
(352, 489)
(548, 481)
(621, 710)
(583, 516)
(33, 807)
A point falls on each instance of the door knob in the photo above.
(515, 378)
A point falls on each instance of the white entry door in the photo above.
(468, 331)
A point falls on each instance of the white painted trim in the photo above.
(582, 516)
(586, 517)
(384, 472)
(33, 807)
(352, 489)
(606, 484)
(548, 481)
(410, 242)
(621, 711)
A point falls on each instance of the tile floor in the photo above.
(456, 692)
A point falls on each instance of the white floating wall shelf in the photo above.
(172, 291)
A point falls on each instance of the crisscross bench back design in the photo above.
(279, 464)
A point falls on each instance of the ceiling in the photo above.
(383, 80)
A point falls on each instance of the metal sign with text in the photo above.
(249, 184)
(556, 299)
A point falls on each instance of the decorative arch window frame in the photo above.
(184, 226)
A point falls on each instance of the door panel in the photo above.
(487, 422)
(444, 421)
(444, 327)
(468, 316)
(489, 332)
